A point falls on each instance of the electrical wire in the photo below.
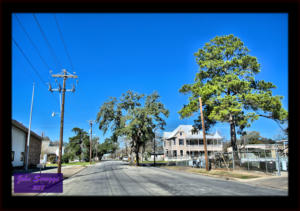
(51, 49)
(47, 41)
(33, 44)
(32, 66)
(27, 59)
(62, 39)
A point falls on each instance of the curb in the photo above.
(75, 173)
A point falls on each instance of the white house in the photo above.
(48, 150)
(182, 143)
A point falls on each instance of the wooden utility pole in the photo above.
(154, 149)
(204, 137)
(65, 76)
(91, 124)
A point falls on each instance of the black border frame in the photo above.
(130, 203)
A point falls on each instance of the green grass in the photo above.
(153, 161)
(214, 172)
(71, 164)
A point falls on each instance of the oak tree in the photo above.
(133, 115)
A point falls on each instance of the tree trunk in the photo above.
(137, 155)
(233, 138)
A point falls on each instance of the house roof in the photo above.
(166, 134)
(187, 129)
(217, 135)
(25, 129)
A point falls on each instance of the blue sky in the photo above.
(114, 52)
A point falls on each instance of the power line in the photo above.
(27, 59)
(45, 38)
(36, 48)
(33, 44)
(62, 39)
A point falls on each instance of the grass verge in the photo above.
(70, 164)
(222, 173)
(153, 162)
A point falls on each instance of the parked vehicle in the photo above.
(125, 158)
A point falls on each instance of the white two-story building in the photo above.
(182, 143)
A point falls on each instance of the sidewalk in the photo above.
(67, 171)
(278, 182)
(266, 180)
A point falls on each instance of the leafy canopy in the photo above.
(108, 146)
(227, 86)
(134, 116)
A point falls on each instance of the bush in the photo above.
(65, 158)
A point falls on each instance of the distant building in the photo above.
(182, 143)
(19, 145)
(159, 156)
(48, 150)
(269, 149)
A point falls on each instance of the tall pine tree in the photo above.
(226, 83)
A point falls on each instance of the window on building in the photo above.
(174, 141)
(22, 156)
(180, 133)
(181, 152)
(167, 153)
(13, 155)
(201, 142)
(181, 142)
(175, 153)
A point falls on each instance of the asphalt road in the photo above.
(117, 178)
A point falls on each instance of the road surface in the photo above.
(117, 178)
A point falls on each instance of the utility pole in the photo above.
(91, 124)
(278, 160)
(204, 137)
(28, 137)
(81, 143)
(154, 148)
(97, 149)
(232, 159)
(65, 76)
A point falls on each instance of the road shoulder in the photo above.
(259, 179)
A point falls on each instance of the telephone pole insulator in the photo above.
(50, 88)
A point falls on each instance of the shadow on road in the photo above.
(97, 172)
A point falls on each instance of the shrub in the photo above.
(65, 158)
